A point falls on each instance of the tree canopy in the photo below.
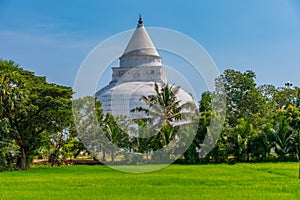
(31, 109)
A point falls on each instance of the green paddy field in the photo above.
(212, 181)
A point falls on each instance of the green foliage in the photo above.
(262, 123)
(165, 106)
(243, 97)
(284, 137)
(192, 153)
(33, 108)
(258, 147)
(116, 136)
(101, 135)
(297, 98)
(61, 146)
(88, 121)
(8, 149)
(166, 114)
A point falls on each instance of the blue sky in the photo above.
(52, 38)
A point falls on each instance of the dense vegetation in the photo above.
(262, 122)
(223, 181)
(31, 111)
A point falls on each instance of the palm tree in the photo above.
(283, 138)
(166, 113)
(116, 136)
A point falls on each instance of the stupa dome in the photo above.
(122, 98)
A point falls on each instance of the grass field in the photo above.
(239, 181)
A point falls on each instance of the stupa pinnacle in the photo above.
(140, 50)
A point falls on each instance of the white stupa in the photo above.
(140, 68)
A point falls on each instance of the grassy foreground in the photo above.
(240, 181)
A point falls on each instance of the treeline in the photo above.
(262, 123)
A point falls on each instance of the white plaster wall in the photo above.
(140, 61)
(131, 74)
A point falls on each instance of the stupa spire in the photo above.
(140, 20)
(140, 50)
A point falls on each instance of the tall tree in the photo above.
(88, 120)
(33, 108)
(192, 154)
(243, 97)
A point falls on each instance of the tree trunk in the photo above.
(103, 155)
(112, 156)
(22, 165)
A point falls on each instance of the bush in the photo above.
(8, 152)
